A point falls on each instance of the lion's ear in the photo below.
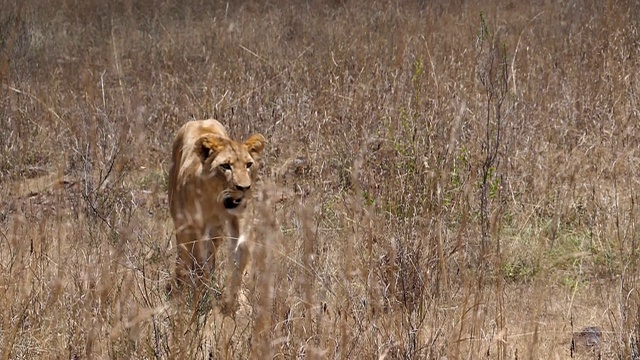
(255, 144)
(209, 145)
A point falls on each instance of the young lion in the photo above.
(210, 189)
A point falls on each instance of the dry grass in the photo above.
(450, 180)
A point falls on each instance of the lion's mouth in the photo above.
(231, 203)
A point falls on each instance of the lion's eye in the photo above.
(225, 166)
(249, 164)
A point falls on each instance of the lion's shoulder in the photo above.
(185, 151)
(185, 160)
(191, 131)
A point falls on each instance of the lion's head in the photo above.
(229, 167)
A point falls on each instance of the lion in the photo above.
(210, 191)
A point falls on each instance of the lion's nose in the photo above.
(243, 188)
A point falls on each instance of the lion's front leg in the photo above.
(240, 251)
(185, 261)
(195, 256)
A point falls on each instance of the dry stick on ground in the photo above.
(494, 77)
(49, 108)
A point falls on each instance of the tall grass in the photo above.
(442, 179)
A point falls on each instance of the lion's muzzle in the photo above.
(234, 199)
(231, 203)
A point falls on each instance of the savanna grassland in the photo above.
(442, 180)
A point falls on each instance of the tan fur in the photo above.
(210, 190)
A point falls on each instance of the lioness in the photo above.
(209, 190)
